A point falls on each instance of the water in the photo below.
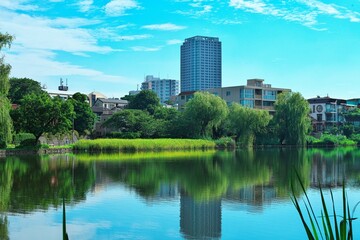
(183, 195)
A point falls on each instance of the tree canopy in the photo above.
(84, 116)
(5, 119)
(38, 114)
(205, 112)
(246, 122)
(145, 100)
(292, 118)
(20, 87)
(132, 123)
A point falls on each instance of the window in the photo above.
(247, 103)
(228, 93)
(270, 95)
(246, 93)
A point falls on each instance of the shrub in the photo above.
(27, 143)
(225, 142)
(18, 138)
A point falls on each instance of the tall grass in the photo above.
(331, 226)
(133, 145)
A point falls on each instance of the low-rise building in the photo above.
(326, 112)
(255, 94)
(104, 109)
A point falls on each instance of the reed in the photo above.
(331, 226)
(133, 145)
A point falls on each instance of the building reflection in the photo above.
(200, 219)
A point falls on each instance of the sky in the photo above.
(109, 46)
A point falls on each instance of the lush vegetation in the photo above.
(5, 119)
(142, 144)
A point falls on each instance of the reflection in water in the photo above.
(203, 181)
(200, 220)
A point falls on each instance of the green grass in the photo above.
(331, 226)
(133, 145)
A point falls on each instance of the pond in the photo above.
(171, 195)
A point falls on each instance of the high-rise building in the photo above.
(164, 88)
(200, 63)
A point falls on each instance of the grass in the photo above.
(331, 226)
(133, 145)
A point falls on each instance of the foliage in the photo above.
(245, 123)
(135, 122)
(292, 117)
(142, 144)
(39, 114)
(145, 100)
(20, 87)
(330, 140)
(204, 113)
(84, 116)
(20, 137)
(5, 119)
(340, 230)
(225, 143)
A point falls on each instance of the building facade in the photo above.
(164, 88)
(200, 64)
(255, 94)
(326, 112)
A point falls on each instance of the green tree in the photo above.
(38, 114)
(204, 113)
(145, 100)
(84, 116)
(292, 118)
(5, 119)
(132, 123)
(246, 122)
(20, 87)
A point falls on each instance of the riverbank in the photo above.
(12, 152)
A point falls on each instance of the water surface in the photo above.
(182, 195)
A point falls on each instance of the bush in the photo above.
(18, 138)
(225, 142)
(2, 144)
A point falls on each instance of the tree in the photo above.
(132, 123)
(292, 118)
(38, 114)
(204, 112)
(5, 119)
(246, 122)
(20, 87)
(84, 116)
(145, 100)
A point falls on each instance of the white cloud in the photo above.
(85, 5)
(145, 49)
(173, 42)
(41, 64)
(44, 34)
(18, 5)
(164, 27)
(118, 7)
(307, 16)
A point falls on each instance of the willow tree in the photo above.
(246, 122)
(292, 118)
(5, 119)
(204, 113)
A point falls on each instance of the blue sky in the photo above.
(309, 46)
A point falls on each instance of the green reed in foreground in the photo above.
(142, 144)
(332, 226)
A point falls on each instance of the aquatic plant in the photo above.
(330, 227)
